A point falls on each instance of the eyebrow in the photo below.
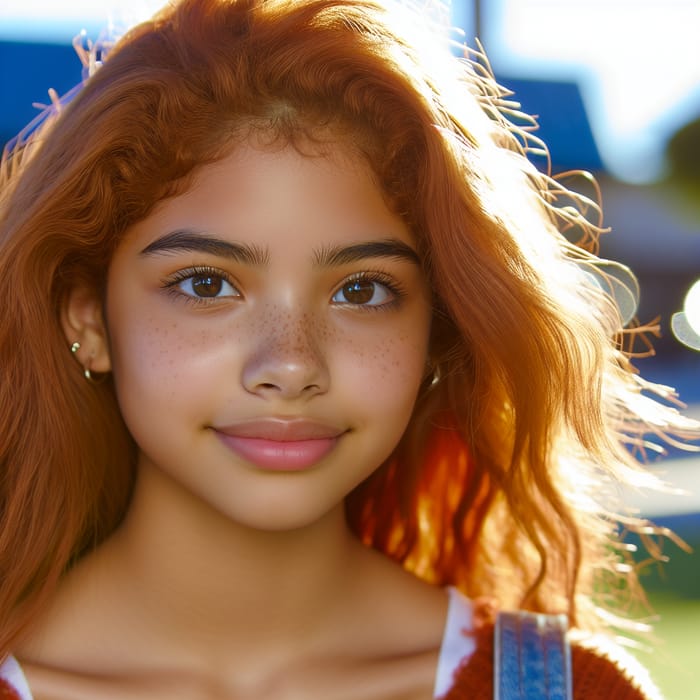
(334, 256)
(329, 256)
(194, 241)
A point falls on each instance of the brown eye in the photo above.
(359, 292)
(207, 285)
(364, 291)
(203, 284)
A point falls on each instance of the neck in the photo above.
(198, 575)
(181, 586)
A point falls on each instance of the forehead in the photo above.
(266, 193)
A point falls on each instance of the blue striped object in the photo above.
(532, 658)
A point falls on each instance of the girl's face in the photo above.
(268, 334)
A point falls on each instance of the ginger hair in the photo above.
(494, 487)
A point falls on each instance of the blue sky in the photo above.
(637, 61)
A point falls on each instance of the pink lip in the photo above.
(280, 445)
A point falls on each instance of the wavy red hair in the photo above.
(534, 398)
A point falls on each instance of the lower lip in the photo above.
(289, 456)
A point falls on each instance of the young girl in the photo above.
(301, 378)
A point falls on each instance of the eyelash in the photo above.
(375, 277)
(172, 282)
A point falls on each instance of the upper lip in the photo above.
(281, 429)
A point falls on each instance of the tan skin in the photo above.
(231, 578)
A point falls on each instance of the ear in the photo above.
(83, 322)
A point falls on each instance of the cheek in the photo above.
(389, 366)
(395, 359)
(158, 358)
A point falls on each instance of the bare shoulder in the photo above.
(77, 620)
(411, 611)
(395, 628)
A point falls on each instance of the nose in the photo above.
(287, 362)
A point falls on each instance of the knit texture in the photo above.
(599, 673)
(7, 692)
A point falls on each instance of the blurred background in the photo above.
(616, 88)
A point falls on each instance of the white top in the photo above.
(457, 645)
(12, 673)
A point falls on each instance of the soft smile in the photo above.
(280, 444)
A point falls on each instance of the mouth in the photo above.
(280, 444)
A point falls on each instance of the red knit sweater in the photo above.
(7, 692)
(596, 676)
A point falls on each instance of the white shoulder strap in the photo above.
(457, 644)
(11, 672)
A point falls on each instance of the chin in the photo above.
(286, 517)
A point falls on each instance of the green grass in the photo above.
(674, 661)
